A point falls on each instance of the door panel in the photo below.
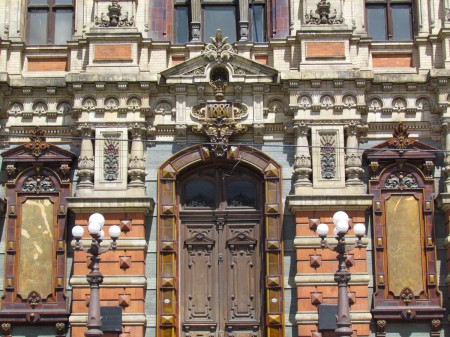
(199, 274)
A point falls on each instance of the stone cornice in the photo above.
(111, 205)
(328, 279)
(128, 319)
(329, 202)
(314, 242)
(110, 281)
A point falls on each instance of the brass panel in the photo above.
(36, 253)
(404, 246)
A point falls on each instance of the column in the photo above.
(196, 20)
(353, 161)
(243, 20)
(302, 165)
(136, 164)
(446, 134)
(85, 169)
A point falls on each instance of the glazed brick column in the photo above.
(124, 281)
(315, 274)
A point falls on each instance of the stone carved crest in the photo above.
(39, 108)
(114, 17)
(375, 104)
(323, 16)
(218, 49)
(16, 108)
(219, 123)
(399, 104)
(111, 103)
(134, 103)
(304, 102)
(89, 104)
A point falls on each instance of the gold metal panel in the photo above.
(167, 320)
(404, 245)
(274, 319)
(36, 253)
(168, 172)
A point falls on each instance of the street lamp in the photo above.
(342, 275)
(95, 278)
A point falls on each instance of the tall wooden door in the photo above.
(221, 258)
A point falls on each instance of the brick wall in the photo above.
(391, 60)
(325, 50)
(123, 271)
(315, 275)
(107, 52)
(47, 64)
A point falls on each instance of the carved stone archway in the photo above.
(170, 245)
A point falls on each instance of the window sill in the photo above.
(392, 45)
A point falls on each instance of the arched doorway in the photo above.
(220, 247)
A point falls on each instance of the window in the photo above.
(389, 20)
(50, 21)
(200, 22)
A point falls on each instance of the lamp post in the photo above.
(342, 275)
(95, 277)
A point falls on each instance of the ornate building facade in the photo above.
(218, 135)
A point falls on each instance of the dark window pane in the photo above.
(182, 24)
(63, 25)
(199, 193)
(63, 2)
(220, 17)
(38, 2)
(401, 22)
(376, 22)
(241, 194)
(258, 23)
(38, 27)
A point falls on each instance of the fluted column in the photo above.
(196, 12)
(353, 161)
(86, 165)
(302, 165)
(136, 164)
(243, 20)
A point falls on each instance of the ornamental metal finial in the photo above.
(400, 138)
(38, 142)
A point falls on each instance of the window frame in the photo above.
(212, 3)
(52, 7)
(389, 22)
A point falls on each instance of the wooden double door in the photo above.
(221, 256)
